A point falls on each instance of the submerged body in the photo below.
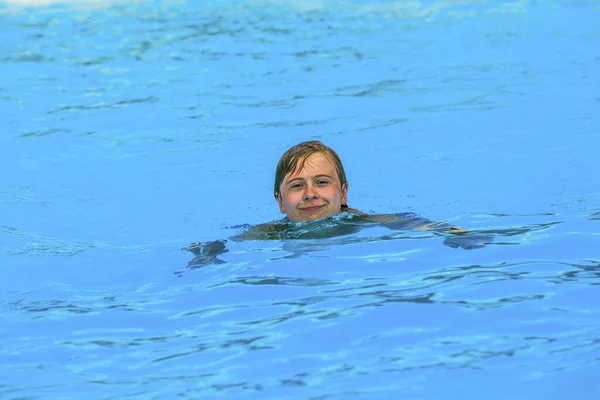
(343, 224)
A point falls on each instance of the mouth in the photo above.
(312, 209)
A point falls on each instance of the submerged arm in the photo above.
(404, 221)
(412, 221)
(206, 253)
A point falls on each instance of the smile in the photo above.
(315, 208)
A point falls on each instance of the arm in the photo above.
(206, 253)
(406, 221)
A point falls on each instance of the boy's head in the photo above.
(310, 182)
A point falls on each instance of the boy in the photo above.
(310, 184)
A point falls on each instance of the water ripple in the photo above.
(121, 103)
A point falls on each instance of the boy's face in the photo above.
(313, 192)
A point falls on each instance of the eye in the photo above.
(296, 186)
(322, 183)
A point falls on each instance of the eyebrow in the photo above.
(294, 180)
(304, 180)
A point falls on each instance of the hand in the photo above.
(468, 242)
(213, 248)
(206, 253)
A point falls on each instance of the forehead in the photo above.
(315, 164)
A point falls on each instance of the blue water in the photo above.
(129, 131)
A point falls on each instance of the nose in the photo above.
(310, 193)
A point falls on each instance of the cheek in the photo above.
(334, 193)
(290, 198)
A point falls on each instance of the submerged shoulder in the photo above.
(262, 231)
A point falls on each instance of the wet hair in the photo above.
(293, 160)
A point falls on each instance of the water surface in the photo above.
(131, 130)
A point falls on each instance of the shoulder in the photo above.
(345, 208)
(267, 230)
(353, 211)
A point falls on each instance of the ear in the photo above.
(345, 193)
(280, 202)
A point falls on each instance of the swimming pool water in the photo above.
(130, 130)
